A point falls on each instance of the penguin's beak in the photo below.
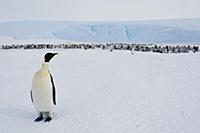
(55, 53)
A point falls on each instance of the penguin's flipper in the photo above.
(31, 96)
(54, 90)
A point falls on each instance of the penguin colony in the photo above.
(43, 93)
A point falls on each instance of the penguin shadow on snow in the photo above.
(16, 113)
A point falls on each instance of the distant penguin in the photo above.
(43, 93)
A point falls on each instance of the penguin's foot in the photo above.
(40, 118)
(48, 119)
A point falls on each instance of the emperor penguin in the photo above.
(43, 93)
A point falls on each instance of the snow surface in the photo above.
(104, 92)
(9, 41)
(6, 39)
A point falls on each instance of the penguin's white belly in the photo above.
(42, 92)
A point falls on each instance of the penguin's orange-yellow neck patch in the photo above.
(44, 71)
(45, 66)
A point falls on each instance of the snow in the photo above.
(5, 39)
(10, 41)
(104, 92)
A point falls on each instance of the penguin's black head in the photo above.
(49, 56)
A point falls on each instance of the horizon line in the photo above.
(139, 20)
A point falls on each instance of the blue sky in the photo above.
(95, 10)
